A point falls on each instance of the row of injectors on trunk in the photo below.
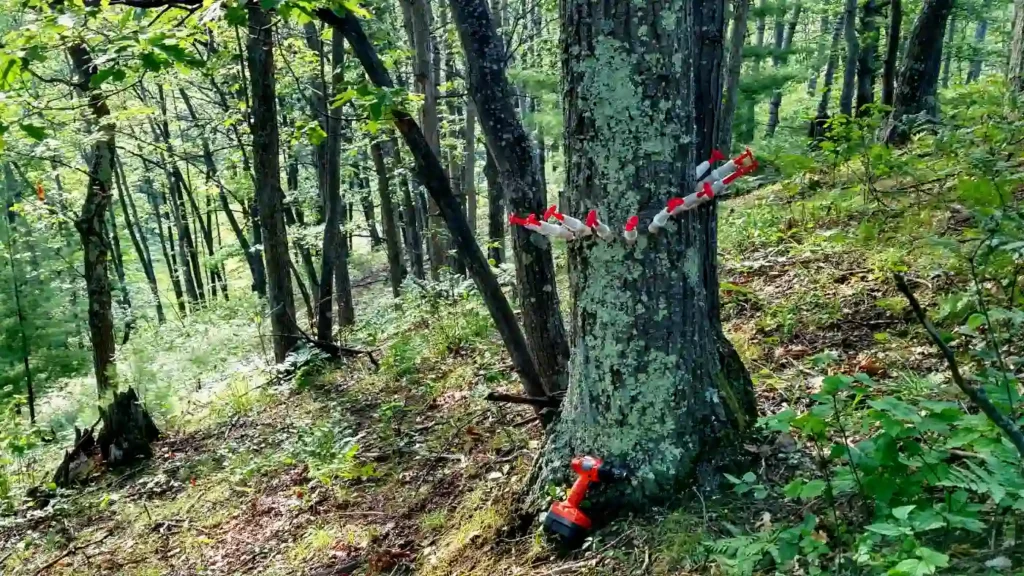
(710, 183)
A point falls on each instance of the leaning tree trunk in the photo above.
(469, 165)
(508, 142)
(852, 52)
(267, 169)
(866, 57)
(892, 52)
(817, 126)
(978, 58)
(646, 384)
(737, 38)
(387, 216)
(787, 42)
(919, 74)
(1017, 48)
(947, 62)
(92, 222)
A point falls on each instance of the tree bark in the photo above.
(866, 57)
(787, 42)
(122, 283)
(978, 58)
(737, 38)
(469, 165)
(708, 36)
(495, 212)
(892, 51)
(267, 170)
(366, 201)
(138, 241)
(947, 63)
(92, 222)
(157, 202)
(852, 55)
(387, 217)
(919, 74)
(820, 56)
(647, 388)
(817, 127)
(1017, 48)
(508, 142)
(412, 220)
(431, 173)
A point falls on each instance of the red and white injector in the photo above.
(738, 163)
(661, 218)
(630, 231)
(578, 228)
(602, 230)
(544, 228)
(716, 156)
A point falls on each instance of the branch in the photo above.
(976, 395)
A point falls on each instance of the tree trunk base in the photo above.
(127, 434)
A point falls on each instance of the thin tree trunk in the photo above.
(92, 222)
(431, 173)
(304, 292)
(9, 241)
(820, 57)
(138, 240)
(469, 165)
(866, 57)
(366, 200)
(948, 61)
(737, 39)
(978, 58)
(919, 74)
(495, 212)
(787, 42)
(412, 221)
(817, 127)
(293, 217)
(1016, 72)
(267, 169)
(852, 55)
(750, 101)
(387, 218)
(892, 51)
(157, 201)
(508, 142)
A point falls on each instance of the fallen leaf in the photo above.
(870, 366)
(765, 523)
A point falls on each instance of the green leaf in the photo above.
(903, 511)
(33, 131)
(153, 62)
(354, 7)
(912, 567)
(812, 489)
(832, 384)
(732, 478)
(315, 134)
(793, 489)
(886, 529)
(975, 321)
(269, 4)
(236, 15)
(932, 558)
(117, 74)
(749, 477)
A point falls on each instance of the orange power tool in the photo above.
(565, 519)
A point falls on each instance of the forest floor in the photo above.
(406, 469)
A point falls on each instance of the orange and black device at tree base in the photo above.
(565, 519)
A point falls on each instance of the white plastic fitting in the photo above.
(703, 166)
(575, 226)
(630, 232)
(602, 230)
(661, 218)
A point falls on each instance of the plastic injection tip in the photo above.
(552, 211)
(673, 204)
(631, 223)
(716, 155)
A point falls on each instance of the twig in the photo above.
(976, 395)
(545, 401)
(71, 550)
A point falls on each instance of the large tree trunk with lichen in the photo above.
(919, 74)
(513, 153)
(647, 387)
(1017, 47)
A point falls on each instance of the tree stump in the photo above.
(127, 434)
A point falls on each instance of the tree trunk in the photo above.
(431, 173)
(866, 57)
(708, 34)
(366, 201)
(892, 51)
(947, 63)
(817, 127)
(425, 85)
(737, 38)
(852, 55)
(138, 239)
(469, 165)
(508, 142)
(977, 58)
(646, 387)
(750, 100)
(267, 169)
(387, 216)
(1017, 48)
(92, 222)
(776, 101)
(495, 212)
(157, 202)
(820, 56)
(412, 221)
(919, 74)
(122, 283)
